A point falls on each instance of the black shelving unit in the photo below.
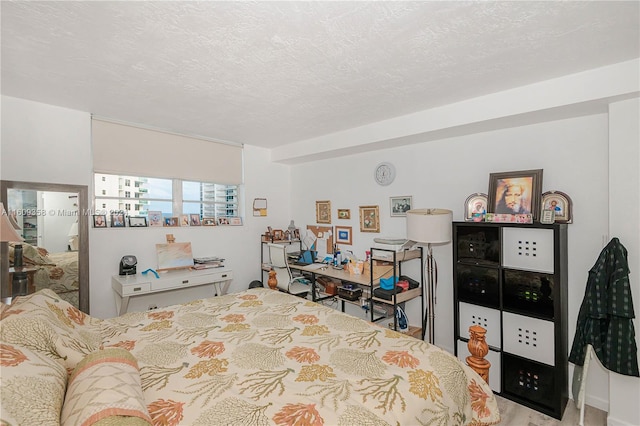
(511, 279)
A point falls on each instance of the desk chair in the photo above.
(286, 281)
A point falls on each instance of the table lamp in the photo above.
(8, 234)
(73, 233)
(430, 226)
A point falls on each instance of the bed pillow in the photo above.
(31, 255)
(32, 386)
(105, 388)
(45, 323)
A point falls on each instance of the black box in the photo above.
(386, 294)
(349, 294)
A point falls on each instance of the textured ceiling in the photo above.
(273, 73)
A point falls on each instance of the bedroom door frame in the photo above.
(83, 233)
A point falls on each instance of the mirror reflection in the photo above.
(54, 253)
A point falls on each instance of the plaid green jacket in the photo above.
(606, 315)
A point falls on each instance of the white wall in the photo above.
(624, 219)
(572, 152)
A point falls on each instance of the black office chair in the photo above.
(286, 281)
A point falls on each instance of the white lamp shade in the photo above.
(73, 231)
(7, 231)
(429, 225)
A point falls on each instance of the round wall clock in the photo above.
(384, 173)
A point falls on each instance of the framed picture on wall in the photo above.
(369, 219)
(343, 234)
(323, 211)
(515, 192)
(400, 205)
(344, 214)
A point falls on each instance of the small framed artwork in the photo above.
(400, 205)
(343, 234)
(171, 221)
(369, 219)
(117, 220)
(235, 221)
(155, 218)
(208, 221)
(547, 217)
(323, 211)
(561, 205)
(184, 220)
(277, 234)
(99, 220)
(475, 207)
(344, 214)
(194, 219)
(515, 192)
(137, 222)
(223, 221)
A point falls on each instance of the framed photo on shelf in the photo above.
(561, 205)
(515, 192)
(475, 207)
(117, 220)
(323, 211)
(137, 222)
(99, 220)
(194, 219)
(343, 235)
(208, 221)
(155, 218)
(235, 221)
(369, 219)
(171, 221)
(400, 205)
(547, 217)
(184, 220)
(344, 214)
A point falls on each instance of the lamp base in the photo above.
(19, 284)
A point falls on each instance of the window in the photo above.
(150, 194)
(210, 199)
(153, 194)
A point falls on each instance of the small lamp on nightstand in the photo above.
(430, 226)
(8, 234)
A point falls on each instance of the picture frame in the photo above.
(560, 203)
(117, 220)
(344, 214)
(194, 219)
(323, 211)
(516, 192)
(369, 219)
(222, 221)
(343, 235)
(171, 221)
(208, 221)
(547, 217)
(235, 221)
(184, 220)
(99, 220)
(475, 207)
(155, 218)
(137, 222)
(278, 234)
(398, 206)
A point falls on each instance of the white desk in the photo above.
(126, 286)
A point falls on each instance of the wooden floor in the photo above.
(517, 415)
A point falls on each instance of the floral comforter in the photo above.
(263, 357)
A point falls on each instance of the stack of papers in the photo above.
(207, 262)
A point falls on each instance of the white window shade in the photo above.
(123, 149)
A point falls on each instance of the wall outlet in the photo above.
(152, 307)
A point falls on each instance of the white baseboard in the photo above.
(615, 422)
(599, 403)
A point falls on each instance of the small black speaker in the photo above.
(128, 265)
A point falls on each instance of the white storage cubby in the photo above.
(487, 318)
